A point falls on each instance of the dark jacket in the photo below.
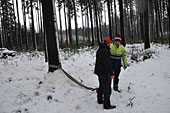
(103, 64)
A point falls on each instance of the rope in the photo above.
(77, 82)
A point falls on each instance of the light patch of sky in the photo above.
(79, 17)
(28, 16)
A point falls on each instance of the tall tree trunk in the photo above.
(49, 26)
(65, 24)
(82, 21)
(88, 29)
(146, 20)
(76, 26)
(91, 19)
(159, 17)
(0, 39)
(1, 44)
(41, 28)
(141, 26)
(61, 32)
(25, 26)
(105, 26)
(69, 24)
(110, 20)
(156, 11)
(168, 10)
(96, 16)
(116, 32)
(33, 29)
(19, 26)
(100, 23)
(121, 22)
(131, 20)
(152, 17)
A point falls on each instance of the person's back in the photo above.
(103, 69)
(103, 62)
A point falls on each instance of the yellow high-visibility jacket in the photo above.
(118, 53)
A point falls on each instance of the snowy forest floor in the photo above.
(26, 87)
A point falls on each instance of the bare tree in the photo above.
(49, 27)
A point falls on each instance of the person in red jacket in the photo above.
(104, 71)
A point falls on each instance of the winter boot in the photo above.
(115, 87)
(110, 107)
(100, 102)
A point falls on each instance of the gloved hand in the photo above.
(125, 67)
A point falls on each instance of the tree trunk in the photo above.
(0, 39)
(141, 26)
(160, 17)
(49, 26)
(105, 26)
(146, 20)
(82, 21)
(19, 26)
(65, 24)
(121, 22)
(100, 23)
(110, 20)
(33, 29)
(88, 29)
(91, 19)
(61, 33)
(116, 32)
(25, 27)
(96, 16)
(69, 24)
(169, 19)
(76, 26)
(156, 11)
(152, 17)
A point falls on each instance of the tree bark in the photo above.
(19, 26)
(49, 26)
(96, 16)
(169, 19)
(116, 31)
(146, 20)
(76, 26)
(121, 22)
(110, 20)
(61, 32)
(25, 27)
(91, 19)
(82, 21)
(69, 23)
(65, 24)
(156, 11)
(33, 29)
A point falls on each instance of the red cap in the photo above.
(107, 40)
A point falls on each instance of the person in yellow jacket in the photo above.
(118, 55)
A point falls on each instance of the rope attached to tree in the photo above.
(77, 82)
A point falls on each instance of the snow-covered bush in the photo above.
(4, 53)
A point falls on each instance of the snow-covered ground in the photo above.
(26, 87)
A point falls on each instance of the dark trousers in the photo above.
(116, 79)
(104, 91)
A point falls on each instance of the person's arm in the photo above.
(124, 58)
